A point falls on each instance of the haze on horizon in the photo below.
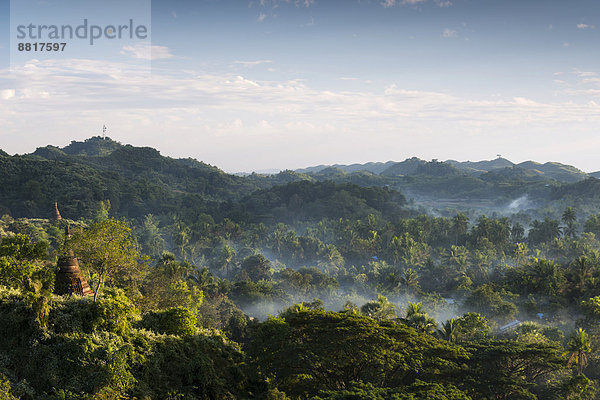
(274, 84)
(301, 167)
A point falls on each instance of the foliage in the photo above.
(418, 319)
(107, 249)
(578, 346)
(6, 389)
(296, 352)
(114, 313)
(226, 251)
(472, 327)
(506, 369)
(200, 366)
(89, 351)
(171, 283)
(417, 390)
(174, 321)
(21, 263)
(380, 309)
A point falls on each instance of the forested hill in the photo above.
(136, 181)
(139, 180)
(486, 186)
(415, 166)
(374, 297)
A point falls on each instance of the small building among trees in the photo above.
(69, 278)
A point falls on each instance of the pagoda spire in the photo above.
(57, 216)
(69, 279)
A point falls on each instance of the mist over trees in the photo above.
(293, 286)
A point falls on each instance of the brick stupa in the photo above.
(56, 215)
(69, 279)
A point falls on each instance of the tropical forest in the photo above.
(126, 274)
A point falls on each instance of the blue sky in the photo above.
(251, 85)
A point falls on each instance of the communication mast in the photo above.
(104, 132)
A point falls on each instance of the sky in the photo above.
(274, 84)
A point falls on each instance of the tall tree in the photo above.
(570, 219)
(578, 347)
(306, 351)
(107, 250)
(460, 224)
(417, 318)
(410, 280)
(380, 309)
(449, 330)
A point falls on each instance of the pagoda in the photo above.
(69, 279)
(56, 216)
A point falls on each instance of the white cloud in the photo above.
(594, 81)
(7, 94)
(392, 3)
(147, 52)
(522, 101)
(579, 83)
(252, 63)
(262, 124)
(278, 121)
(305, 3)
(449, 33)
(261, 17)
(585, 26)
(311, 22)
(33, 93)
(583, 74)
(278, 3)
(245, 81)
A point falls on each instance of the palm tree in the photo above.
(517, 232)
(414, 308)
(226, 258)
(395, 250)
(410, 280)
(583, 270)
(546, 276)
(205, 280)
(417, 318)
(181, 236)
(570, 219)
(458, 258)
(520, 253)
(480, 266)
(278, 237)
(380, 309)
(460, 225)
(421, 323)
(449, 330)
(577, 348)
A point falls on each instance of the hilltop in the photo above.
(136, 180)
(416, 166)
(140, 180)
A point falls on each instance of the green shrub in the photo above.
(174, 321)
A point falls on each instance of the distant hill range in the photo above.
(139, 181)
(499, 168)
